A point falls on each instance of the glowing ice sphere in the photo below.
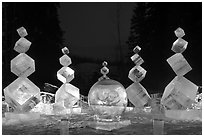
(137, 95)
(22, 45)
(108, 100)
(137, 74)
(179, 64)
(180, 93)
(65, 74)
(22, 32)
(179, 32)
(22, 95)
(67, 95)
(179, 45)
(137, 59)
(65, 60)
(22, 65)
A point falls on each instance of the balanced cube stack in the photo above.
(180, 93)
(22, 94)
(67, 95)
(136, 93)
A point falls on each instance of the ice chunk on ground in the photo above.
(43, 108)
(22, 65)
(179, 64)
(65, 60)
(179, 45)
(22, 32)
(22, 45)
(137, 74)
(65, 74)
(137, 95)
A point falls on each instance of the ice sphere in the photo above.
(22, 65)
(65, 60)
(137, 73)
(136, 49)
(179, 64)
(67, 95)
(108, 100)
(179, 45)
(65, 50)
(22, 94)
(137, 60)
(179, 32)
(180, 92)
(22, 45)
(65, 74)
(22, 32)
(137, 95)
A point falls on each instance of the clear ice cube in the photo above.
(22, 45)
(65, 74)
(137, 95)
(179, 45)
(137, 60)
(21, 94)
(137, 49)
(65, 50)
(180, 92)
(137, 74)
(22, 65)
(67, 95)
(22, 32)
(179, 32)
(179, 64)
(65, 60)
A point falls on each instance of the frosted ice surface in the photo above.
(18, 93)
(68, 95)
(179, 32)
(22, 65)
(65, 60)
(137, 60)
(22, 32)
(137, 73)
(180, 91)
(22, 45)
(179, 45)
(137, 94)
(65, 74)
(179, 64)
(43, 108)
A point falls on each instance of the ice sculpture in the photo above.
(22, 95)
(180, 93)
(108, 100)
(136, 93)
(67, 96)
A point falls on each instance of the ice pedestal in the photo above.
(108, 125)
(64, 126)
(158, 127)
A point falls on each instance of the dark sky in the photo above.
(91, 31)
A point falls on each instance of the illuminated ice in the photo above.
(179, 64)
(137, 73)
(137, 49)
(137, 95)
(22, 65)
(65, 74)
(43, 108)
(22, 32)
(65, 50)
(22, 94)
(22, 45)
(137, 60)
(65, 60)
(179, 32)
(179, 45)
(179, 93)
(67, 95)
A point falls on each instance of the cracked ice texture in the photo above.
(22, 65)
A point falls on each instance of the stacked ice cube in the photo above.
(180, 93)
(22, 94)
(136, 93)
(67, 95)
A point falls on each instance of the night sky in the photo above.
(90, 31)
